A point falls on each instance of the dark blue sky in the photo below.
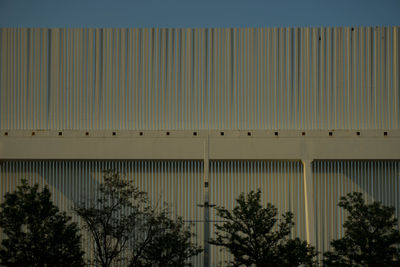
(205, 13)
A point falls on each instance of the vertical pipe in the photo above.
(309, 202)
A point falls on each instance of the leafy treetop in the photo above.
(249, 234)
(371, 235)
(37, 233)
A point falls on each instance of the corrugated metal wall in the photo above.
(151, 79)
(179, 183)
(281, 184)
(262, 78)
(377, 180)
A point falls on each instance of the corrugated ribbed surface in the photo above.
(377, 180)
(281, 184)
(273, 78)
(178, 183)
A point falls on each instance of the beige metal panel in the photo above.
(377, 180)
(346, 145)
(281, 184)
(189, 145)
(151, 79)
(24, 78)
(178, 183)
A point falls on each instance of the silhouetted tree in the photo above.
(125, 227)
(36, 232)
(249, 234)
(370, 238)
(113, 218)
(168, 242)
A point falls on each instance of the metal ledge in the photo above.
(190, 145)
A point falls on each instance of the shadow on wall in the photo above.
(178, 183)
(74, 181)
(377, 180)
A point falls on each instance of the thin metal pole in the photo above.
(206, 207)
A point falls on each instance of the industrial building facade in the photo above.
(194, 117)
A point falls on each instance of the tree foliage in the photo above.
(249, 233)
(112, 218)
(37, 233)
(370, 238)
(169, 242)
(125, 227)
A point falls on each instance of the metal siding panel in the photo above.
(377, 180)
(174, 182)
(281, 78)
(281, 184)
